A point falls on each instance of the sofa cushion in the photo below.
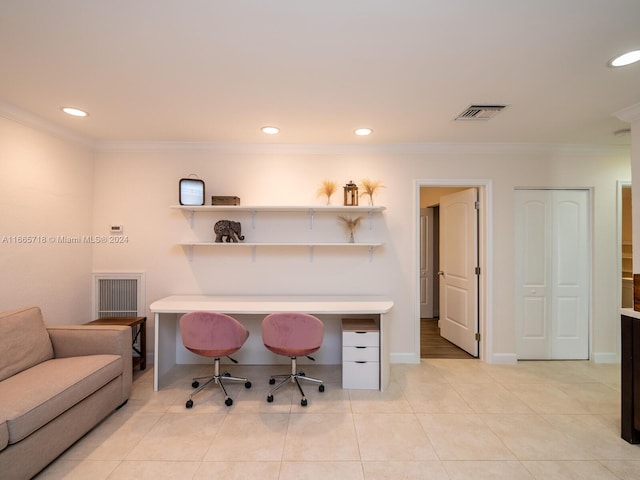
(24, 341)
(33, 397)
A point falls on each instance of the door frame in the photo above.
(620, 184)
(428, 213)
(485, 260)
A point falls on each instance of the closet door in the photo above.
(552, 274)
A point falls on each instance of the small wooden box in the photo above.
(221, 200)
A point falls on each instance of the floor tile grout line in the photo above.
(451, 371)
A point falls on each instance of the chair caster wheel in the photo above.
(302, 374)
(303, 402)
(226, 374)
(228, 402)
(272, 381)
(195, 384)
(247, 385)
(270, 398)
(321, 388)
(189, 404)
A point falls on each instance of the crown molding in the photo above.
(370, 149)
(23, 117)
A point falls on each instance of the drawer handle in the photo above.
(361, 347)
(359, 361)
(361, 332)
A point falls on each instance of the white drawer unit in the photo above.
(361, 338)
(360, 354)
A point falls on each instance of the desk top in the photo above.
(335, 304)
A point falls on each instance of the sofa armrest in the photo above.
(78, 340)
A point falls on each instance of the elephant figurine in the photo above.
(229, 229)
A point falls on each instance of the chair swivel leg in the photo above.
(294, 377)
(217, 378)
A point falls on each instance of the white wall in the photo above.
(49, 188)
(135, 187)
(46, 187)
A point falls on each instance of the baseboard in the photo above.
(404, 358)
(497, 358)
(503, 359)
(605, 357)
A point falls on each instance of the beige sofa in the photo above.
(56, 383)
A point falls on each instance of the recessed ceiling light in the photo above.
(74, 111)
(270, 130)
(625, 59)
(363, 131)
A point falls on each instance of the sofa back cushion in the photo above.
(24, 341)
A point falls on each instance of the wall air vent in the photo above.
(480, 112)
(118, 295)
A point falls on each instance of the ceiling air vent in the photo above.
(480, 112)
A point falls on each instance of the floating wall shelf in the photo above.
(254, 210)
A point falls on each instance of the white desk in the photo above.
(168, 309)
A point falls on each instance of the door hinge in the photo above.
(477, 270)
(477, 337)
(477, 205)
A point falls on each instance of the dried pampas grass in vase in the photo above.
(369, 187)
(327, 189)
(351, 224)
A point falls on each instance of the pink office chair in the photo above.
(213, 335)
(293, 335)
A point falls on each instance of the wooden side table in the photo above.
(138, 330)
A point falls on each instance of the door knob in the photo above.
(441, 273)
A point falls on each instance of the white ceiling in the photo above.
(216, 71)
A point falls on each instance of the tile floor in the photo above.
(441, 419)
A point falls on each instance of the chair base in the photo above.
(293, 377)
(216, 378)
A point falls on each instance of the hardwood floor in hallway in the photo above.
(432, 345)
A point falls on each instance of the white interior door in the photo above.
(552, 274)
(427, 271)
(458, 261)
